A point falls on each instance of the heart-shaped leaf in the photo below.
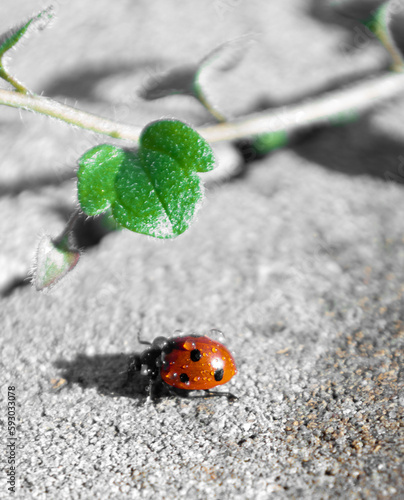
(154, 190)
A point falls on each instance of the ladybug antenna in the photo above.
(141, 341)
(178, 333)
(216, 333)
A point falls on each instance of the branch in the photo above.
(321, 110)
(68, 114)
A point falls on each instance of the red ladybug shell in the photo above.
(197, 363)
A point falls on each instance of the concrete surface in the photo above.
(300, 263)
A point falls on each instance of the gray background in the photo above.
(299, 262)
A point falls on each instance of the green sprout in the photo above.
(154, 187)
(154, 190)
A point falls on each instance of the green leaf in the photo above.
(386, 23)
(13, 35)
(154, 190)
(264, 143)
(9, 39)
(97, 172)
(381, 18)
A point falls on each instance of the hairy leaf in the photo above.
(154, 190)
(55, 258)
(383, 19)
(98, 169)
(13, 35)
(9, 39)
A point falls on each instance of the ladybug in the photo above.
(184, 364)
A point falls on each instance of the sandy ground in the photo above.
(300, 262)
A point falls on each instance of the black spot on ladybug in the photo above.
(184, 378)
(219, 374)
(196, 355)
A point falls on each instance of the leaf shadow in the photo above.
(87, 231)
(83, 84)
(34, 183)
(107, 373)
(354, 149)
(343, 13)
(16, 282)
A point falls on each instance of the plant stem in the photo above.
(12, 81)
(68, 114)
(320, 110)
(68, 228)
(325, 109)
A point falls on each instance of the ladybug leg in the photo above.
(141, 341)
(212, 394)
(154, 389)
(183, 393)
(179, 393)
(134, 366)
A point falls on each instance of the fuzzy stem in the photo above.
(203, 99)
(12, 81)
(320, 110)
(317, 111)
(68, 228)
(68, 114)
